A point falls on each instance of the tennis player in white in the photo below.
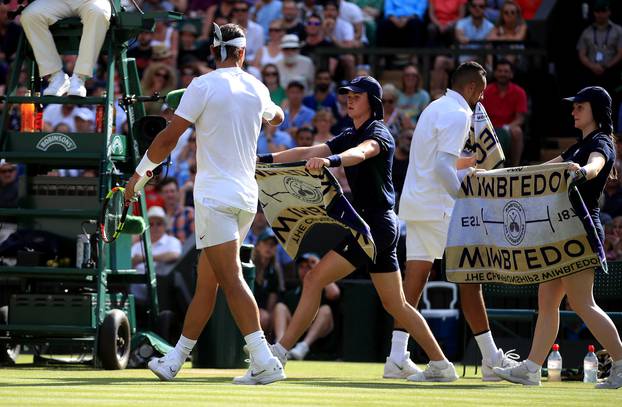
(227, 107)
(426, 205)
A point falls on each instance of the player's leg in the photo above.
(550, 295)
(389, 288)
(579, 288)
(321, 326)
(197, 315)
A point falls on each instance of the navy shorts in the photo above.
(385, 230)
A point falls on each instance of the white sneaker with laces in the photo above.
(502, 360)
(58, 86)
(614, 381)
(299, 351)
(432, 373)
(272, 372)
(76, 86)
(166, 367)
(401, 370)
(519, 374)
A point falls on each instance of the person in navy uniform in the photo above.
(366, 151)
(590, 162)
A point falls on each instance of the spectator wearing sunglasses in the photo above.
(158, 77)
(270, 77)
(265, 12)
(475, 27)
(254, 32)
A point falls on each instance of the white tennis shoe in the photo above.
(272, 372)
(502, 360)
(166, 367)
(401, 370)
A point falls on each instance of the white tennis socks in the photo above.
(258, 348)
(487, 346)
(399, 346)
(184, 347)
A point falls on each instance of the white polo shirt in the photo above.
(443, 126)
(226, 106)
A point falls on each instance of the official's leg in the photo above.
(95, 15)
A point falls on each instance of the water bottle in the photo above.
(590, 366)
(554, 365)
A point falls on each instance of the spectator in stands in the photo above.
(10, 32)
(400, 160)
(324, 322)
(317, 37)
(444, 14)
(600, 49)
(271, 53)
(372, 10)
(142, 51)
(268, 276)
(181, 218)
(36, 19)
(337, 30)
(254, 32)
(308, 8)
(221, 10)
(291, 19)
(304, 136)
(161, 78)
(270, 78)
(510, 27)
(506, 104)
(612, 197)
(166, 36)
(84, 120)
(342, 120)
(353, 14)
(8, 185)
(475, 27)
(189, 46)
(323, 121)
(323, 96)
(529, 8)
(163, 55)
(272, 140)
(294, 66)
(199, 7)
(402, 24)
(53, 115)
(613, 233)
(296, 114)
(186, 75)
(265, 12)
(413, 98)
(186, 191)
(395, 119)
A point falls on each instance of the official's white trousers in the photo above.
(39, 15)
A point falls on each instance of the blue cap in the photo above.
(267, 234)
(600, 101)
(369, 85)
(306, 257)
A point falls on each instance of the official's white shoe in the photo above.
(299, 351)
(502, 360)
(272, 372)
(58, 86)
(614, 381)
(166, 367)
(76, 86)
(401, 370)
(519, 374)
(435, 374)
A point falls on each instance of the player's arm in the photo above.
(296, 154)
(273, 115)
(160, 148)
(353, 156)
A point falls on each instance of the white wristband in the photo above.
(270, 112)
(145, 165)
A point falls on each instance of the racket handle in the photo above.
(142, 181)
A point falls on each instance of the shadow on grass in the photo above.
(117, 381)
(340, 383)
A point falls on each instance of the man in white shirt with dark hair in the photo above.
(426, 205)
(227, 107)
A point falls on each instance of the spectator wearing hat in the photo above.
(324, 322)
(294, 66)
(84, 120)
(291, 19)
(271, 53)
(161, 54)
(8, 184)
(269, 280)
(296, 114)
(161, 78)
(254, 32)
(142, 51)
(600, 49)
(265, 12)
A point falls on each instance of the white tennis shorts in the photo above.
(217, 223)
(426, 240)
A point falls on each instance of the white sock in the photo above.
(532, 366)
(441, 364)
(399, 344)
(258, 348)
(280, 349)
(184, 346)
(487, 346)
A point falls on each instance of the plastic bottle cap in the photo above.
(590, 348)
(556, 347)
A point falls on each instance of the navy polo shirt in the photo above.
(598, 142)
(370, 181)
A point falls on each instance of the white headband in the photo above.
(239, 42)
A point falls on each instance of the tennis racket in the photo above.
(115, 208)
